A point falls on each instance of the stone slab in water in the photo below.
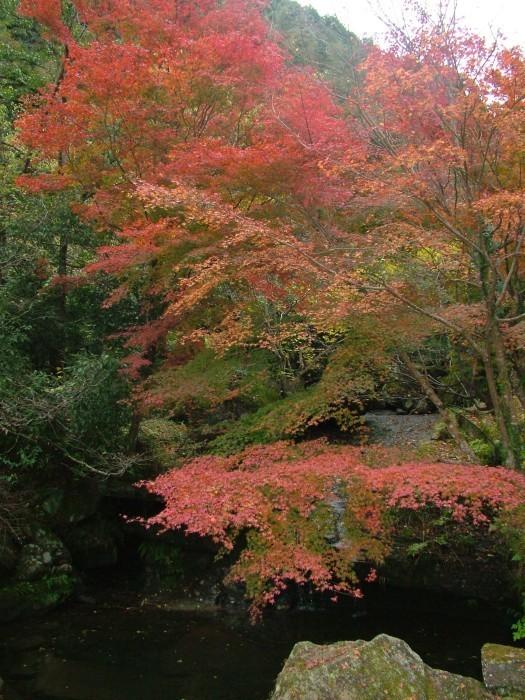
(386, 667)
(504, 669)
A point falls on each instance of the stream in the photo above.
(119, 649)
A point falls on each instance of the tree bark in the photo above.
(447, 416)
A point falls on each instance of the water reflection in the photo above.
(128, 652)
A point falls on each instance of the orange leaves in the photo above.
(185, 132)
(290, 498)
(85, 108)
(437, 184)
(506, 209)
(430, 112)
(468, 492)
(45, 182)
(220, 167)
(154, 74)
(508, 78)
(280, 494)
(48, 13)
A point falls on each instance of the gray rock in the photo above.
(43, 577)
(386, 667)
(39, 556)
(396, 429)
(504, 669)
(30, 565)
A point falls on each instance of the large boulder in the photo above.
(41, 556)
(42, 577)
(386, 667)
(504, 669)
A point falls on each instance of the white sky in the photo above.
(480, 15)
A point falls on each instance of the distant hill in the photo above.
(321, 42)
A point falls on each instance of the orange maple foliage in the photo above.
(312, 513)
(435, 217)
(185, 132)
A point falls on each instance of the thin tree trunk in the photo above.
(515, 372)
(506, 397)
(133, 433)
(447, 416)
(495, 361)
(3, 245)
(496, 406)
(62, 299)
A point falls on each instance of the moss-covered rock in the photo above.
(41, 579)
(41, 556)
(504, 669)
(383, 668)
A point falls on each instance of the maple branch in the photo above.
(454, 230)
(448, 416)
(511, 319)
(382, 285)
(513, 266)
(435, 317)
(281, 121)
(17, 149)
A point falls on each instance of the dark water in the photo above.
(122, 651)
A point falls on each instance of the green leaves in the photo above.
(26, 61)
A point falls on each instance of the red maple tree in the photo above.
(312, 514)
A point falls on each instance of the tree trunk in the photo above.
(133, 433)
(505, 397)
(516, 371)
(494, 357)
(447, 416)
(62, 300)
